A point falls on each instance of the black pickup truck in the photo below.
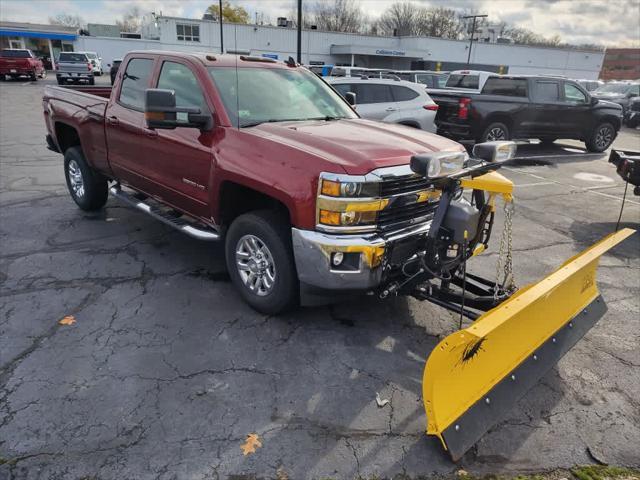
(510, 107)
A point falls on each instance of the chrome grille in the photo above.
(403, 184)
(391, 219)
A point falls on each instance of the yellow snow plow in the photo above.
(476, 375)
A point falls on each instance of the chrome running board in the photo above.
(179, 223)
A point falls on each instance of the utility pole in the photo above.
(221, 36)
(299, 59)
(473, 32)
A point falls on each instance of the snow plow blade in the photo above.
(476, 375)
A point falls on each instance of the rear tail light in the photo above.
(431, 106)
(463, 108)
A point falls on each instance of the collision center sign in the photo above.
(390, 53)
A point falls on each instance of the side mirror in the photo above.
(161, 112)
(100, 58)
(437, 164)
(594, 101)
(495, 151)
(350, 97)
(108, 64)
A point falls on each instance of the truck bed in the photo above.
(97, 91)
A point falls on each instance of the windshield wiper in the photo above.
(275, 120)
(271, 120)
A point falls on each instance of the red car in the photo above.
(16, 62)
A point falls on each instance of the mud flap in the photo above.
(476, 375)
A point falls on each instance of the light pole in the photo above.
(221, 36)
(473, 32)
(299, 59)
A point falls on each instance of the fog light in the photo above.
(337, 259)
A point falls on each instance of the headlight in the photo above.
(346, 219)
(333, 188)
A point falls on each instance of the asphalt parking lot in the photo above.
(166, 371)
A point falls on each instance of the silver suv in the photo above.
(392, 101)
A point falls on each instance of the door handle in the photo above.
(113, 120)
(150, 133)
(390, 109)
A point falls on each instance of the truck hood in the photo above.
(357, 146)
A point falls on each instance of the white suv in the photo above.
(392, 101)
(96, 62)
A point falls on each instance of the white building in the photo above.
(182, 34)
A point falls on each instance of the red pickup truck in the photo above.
(16, 62)
(308, 197)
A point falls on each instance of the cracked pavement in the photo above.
(166, 371)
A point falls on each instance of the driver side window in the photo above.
(573, 94)
(180, 79)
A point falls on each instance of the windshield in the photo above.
(255, 95)
(92, 56)
(16, 53)
(614, 88)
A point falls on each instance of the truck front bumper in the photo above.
(363, 257)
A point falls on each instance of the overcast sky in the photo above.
(606, 22)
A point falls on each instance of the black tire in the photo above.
(495, 131)
(34, 76)
(548, 140)
(601, 138)
(92, 81)
(92, 191)
(273, 231)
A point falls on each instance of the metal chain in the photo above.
(505, 255)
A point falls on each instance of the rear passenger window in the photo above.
(548, 91)
(134, 83)
(373, 93)
(403, 94)
(510, 87)
(180, 79)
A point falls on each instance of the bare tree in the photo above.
(440, 22)
(66, 20)
(400, 19)
(338, 16)
(131, 20)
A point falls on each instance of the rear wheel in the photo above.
(260, 260)
(601, 138)
(87, 187)
(495, 132)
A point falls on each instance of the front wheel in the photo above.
(92, 81)
(494, 132)
(601, 138)
(260, 260)
(87, 187)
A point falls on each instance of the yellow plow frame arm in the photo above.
(475, 375)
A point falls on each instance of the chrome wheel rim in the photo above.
(604, 137)
(496, 133)
(255, 265)
(75, 179)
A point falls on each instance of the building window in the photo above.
(188, 33)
